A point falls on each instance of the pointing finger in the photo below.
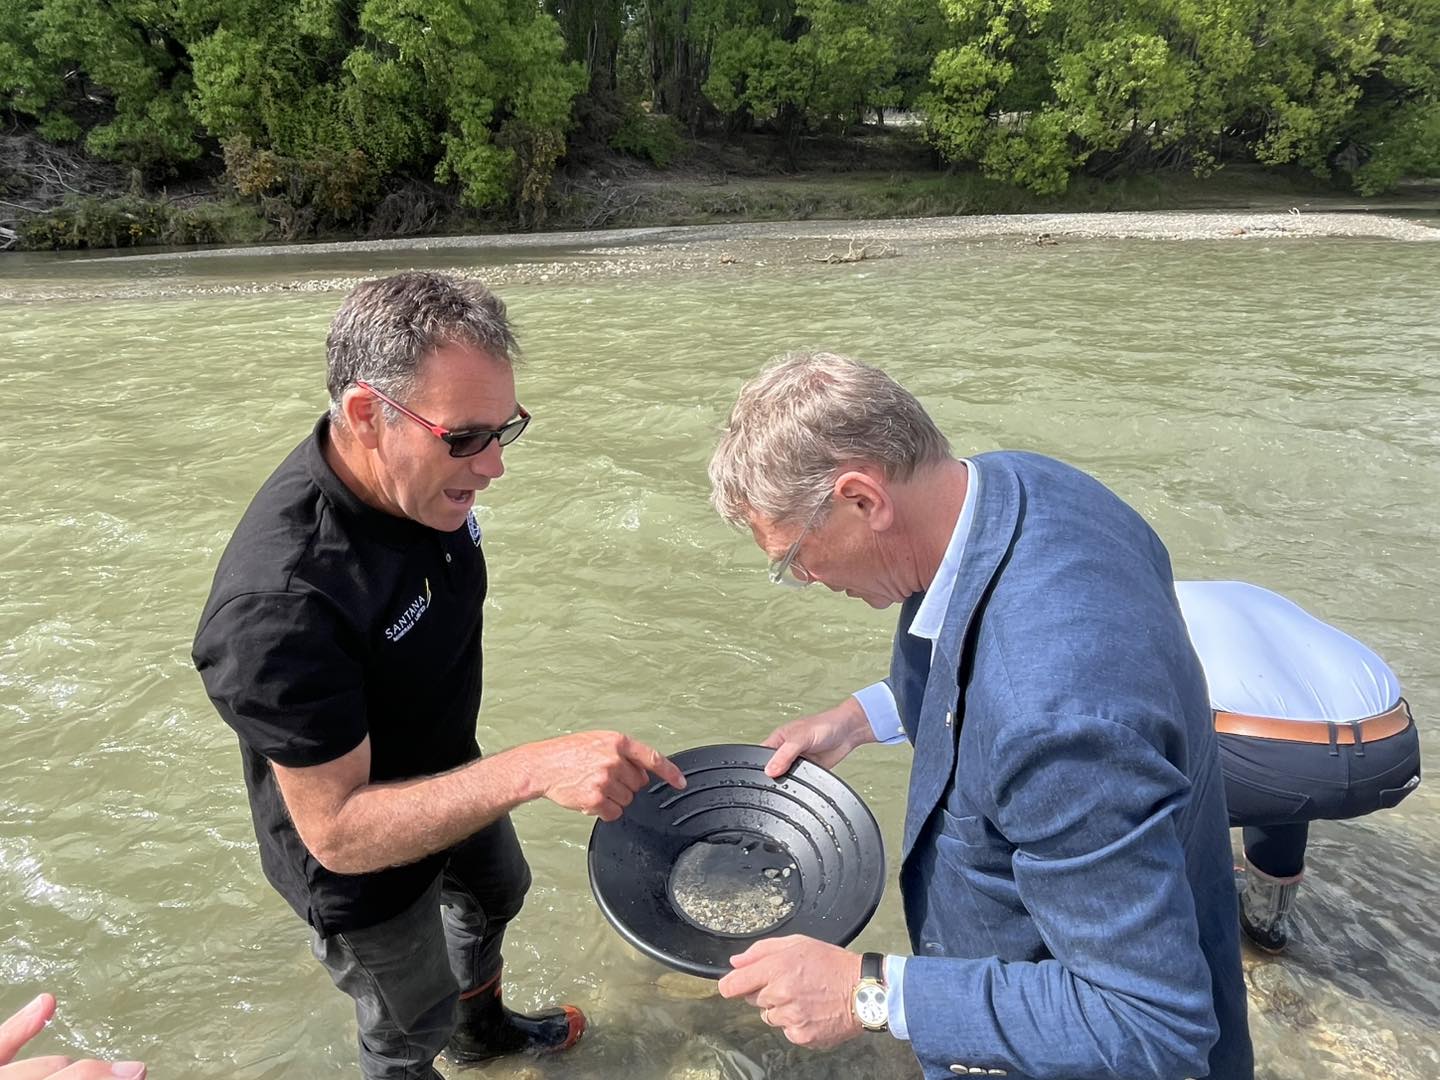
(657, 763)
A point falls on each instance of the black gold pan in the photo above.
(693, 877)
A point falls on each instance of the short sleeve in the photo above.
(284, 670)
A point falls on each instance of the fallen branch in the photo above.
(855, 254)
(610, 208)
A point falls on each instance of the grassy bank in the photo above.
(886, 194)
(134, 221)
(871, 177)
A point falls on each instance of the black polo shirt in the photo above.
(328, 621)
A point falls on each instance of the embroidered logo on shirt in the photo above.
(474, 528)
(410, 616)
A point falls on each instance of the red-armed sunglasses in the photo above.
(465, 443)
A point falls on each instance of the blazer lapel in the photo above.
(997, 513)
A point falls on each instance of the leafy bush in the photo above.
(653, 138)
(301, 195)
(133, 222)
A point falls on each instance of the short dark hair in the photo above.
(388, 325)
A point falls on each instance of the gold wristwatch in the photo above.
(870, 998)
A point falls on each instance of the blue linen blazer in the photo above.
(1066, 867)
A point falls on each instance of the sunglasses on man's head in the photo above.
(465, 443)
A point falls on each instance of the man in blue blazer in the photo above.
(1066, 868)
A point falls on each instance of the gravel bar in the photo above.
(571, 257)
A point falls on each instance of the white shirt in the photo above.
(879, 703)
(876, 699)
(1266, 656)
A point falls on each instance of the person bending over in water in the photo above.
(1312, 728)
(341, 641)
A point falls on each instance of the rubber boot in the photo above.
(485, 1029)
(1265, 904)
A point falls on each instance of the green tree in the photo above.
(31, 82)
(116, 73)
(592, 30)
(1033, 90)
(679, 37)
(495, 74)
(273, 72)
(810, 63)
(471, 91)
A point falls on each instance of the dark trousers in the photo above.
(407, 973)
(1274, 789)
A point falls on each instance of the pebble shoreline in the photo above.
(572, 257)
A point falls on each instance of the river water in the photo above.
(1271, 405)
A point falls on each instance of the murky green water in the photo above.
(1273, 408)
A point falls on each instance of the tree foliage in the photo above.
(1034, 90)
(471, 91)
(117, 74)
(808, 64)
(329, 102)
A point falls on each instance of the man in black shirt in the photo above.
(342, 642)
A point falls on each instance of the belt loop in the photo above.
(1355, 730)
(1334, 738)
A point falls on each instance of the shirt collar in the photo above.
(931, 614)
(387, 528)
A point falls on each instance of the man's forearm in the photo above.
(860, 731)
(390, 824)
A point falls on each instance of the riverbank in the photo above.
(723, 250)
(869, 175)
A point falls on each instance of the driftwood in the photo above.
(38, 176)
(611, 206)
(596, 204)
(855, 254)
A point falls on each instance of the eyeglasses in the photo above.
(787, 570)
(465, 443)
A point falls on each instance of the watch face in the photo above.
(870, 1006)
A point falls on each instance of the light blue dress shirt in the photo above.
(879, 703)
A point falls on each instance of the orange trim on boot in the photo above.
(575, 1021)
(493, 985)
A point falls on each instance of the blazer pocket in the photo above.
(968, 831)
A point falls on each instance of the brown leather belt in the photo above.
(1371, 729)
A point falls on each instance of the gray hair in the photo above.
(800, 421)
(387, 326)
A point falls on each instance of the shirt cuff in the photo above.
(879, 705)
(895, 996)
